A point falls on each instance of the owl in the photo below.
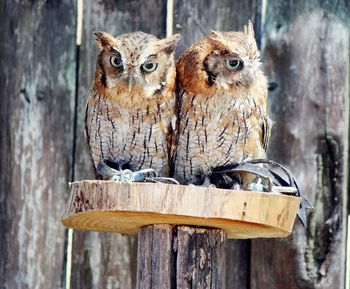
(131, 106)
(221, 106)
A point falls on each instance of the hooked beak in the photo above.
(131, 83)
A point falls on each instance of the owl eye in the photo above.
(116, 61)
(234, 64)
(149, 67)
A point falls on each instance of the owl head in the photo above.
(221, 60)
(135, 63)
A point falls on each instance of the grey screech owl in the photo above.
(222, 105)
(130, 109)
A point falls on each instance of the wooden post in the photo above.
(181, 257)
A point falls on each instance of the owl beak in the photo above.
(131, 83)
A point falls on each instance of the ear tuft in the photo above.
(214, 33)
(103, 39)
(170, 43)
(215, 37)
(249, 30)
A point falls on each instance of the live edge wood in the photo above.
(108, 206)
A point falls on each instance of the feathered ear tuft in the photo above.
(249, 30)
(215, 37)
(214, 33)
(103, 39)
(169, 44)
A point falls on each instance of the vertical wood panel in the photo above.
(306, 53)
(36, 136)
(107, 260)
(181, 257)
(193, 20)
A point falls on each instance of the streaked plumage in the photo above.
(222, 112)
(129, 112)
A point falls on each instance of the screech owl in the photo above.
(129, 112)
(222, 105)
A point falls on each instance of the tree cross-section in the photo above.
(182, 229)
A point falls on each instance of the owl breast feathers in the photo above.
(129, 112)
(222, 105)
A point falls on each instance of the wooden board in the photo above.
(181, 257)
(306, 56)
(108, 206)
(37, 84)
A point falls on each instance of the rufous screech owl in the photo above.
(130, 109)
(222, 105)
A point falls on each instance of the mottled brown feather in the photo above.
(223, 114)
(130, 110)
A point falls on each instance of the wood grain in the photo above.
(200, 258)
(156, 254)
(195, 19)
(181, 257)
(109, 206)
(93, 262)
(306, 55)
(36, 137)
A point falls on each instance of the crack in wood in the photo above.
(325, 221)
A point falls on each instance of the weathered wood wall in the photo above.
(305, 48)
(306, 55)
(37, 80)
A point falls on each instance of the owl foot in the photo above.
(236, 187)
(126, 176)
(109, 172)
(258, 186)
(207, 183)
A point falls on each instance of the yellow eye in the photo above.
(116, 61)
(234, 64)
(149, 67)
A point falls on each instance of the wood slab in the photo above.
(108, 206)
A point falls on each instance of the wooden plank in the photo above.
(194, 19)
(181, 257)
(306, 54)
(107, 206)
(200, 258)
(36, 137)
(91, 250)
(155, 257)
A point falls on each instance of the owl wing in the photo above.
(87, 136)
(86, 129)
(265, 132)
(173, 134)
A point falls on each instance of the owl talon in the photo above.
(207, 183)
(236, 187)
(257, 187)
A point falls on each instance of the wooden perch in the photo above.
(108, 206)
(181, 257)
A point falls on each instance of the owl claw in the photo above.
(123, 176)
(207, 183)
(127, 176)
(258, 186)
(236, 187)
